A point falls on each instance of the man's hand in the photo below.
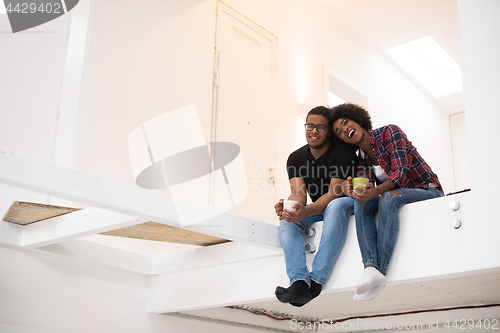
(279, 209)
(295, 216)
(366, 194)
(347, 186)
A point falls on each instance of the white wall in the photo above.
(148, 60)
(308, 39)
(31, 71)
(481, 77)
(32, 64)
(153, 59)
(461, 161)
(481, 50)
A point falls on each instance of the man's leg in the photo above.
(332, 239)
(292, 242)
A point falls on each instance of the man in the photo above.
(317, 169)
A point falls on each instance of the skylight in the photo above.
(428, 63)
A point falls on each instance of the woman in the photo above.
(397, 175)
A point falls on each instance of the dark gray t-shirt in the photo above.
(339, 161)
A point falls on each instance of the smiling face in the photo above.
(315, 138)
(349, 131)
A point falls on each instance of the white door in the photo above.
(245, 107)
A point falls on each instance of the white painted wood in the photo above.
(236, 318)
(25, 329)
(68, 118)
(81, 223)
(44, 177)
(208, 256)
(72, 86)
(241, 229)
(11, 233)
(101, 254)
(154, 265)
(148, 264)
(427, 248)
(218, 285)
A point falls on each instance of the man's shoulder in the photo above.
(300, 153)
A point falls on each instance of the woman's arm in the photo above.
(370, 192)
(395, 141)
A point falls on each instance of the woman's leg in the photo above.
(388, 229)
(366, 230)
(388, 222)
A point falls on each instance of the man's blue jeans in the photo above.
(377, 244)
(332, 239)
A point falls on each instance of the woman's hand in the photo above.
(347, 187)
(368, 193)
(295, 216)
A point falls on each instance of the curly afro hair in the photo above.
(353, 112)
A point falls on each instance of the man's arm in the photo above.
(316, 207)
(298, 190)
(298, 193)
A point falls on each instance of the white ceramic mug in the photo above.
(287, 204)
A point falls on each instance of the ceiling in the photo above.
(382, 24)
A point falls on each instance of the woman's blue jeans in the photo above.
(332, 239)
(377, 244)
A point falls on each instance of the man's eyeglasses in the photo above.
(320, 128)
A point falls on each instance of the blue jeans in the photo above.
(332, 239)
(377, 245)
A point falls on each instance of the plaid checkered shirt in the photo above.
(400, 160)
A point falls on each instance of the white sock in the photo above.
(371, 278)
(370, 294)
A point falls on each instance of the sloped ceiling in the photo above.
(382, 24)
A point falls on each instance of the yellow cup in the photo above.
(358, 182)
